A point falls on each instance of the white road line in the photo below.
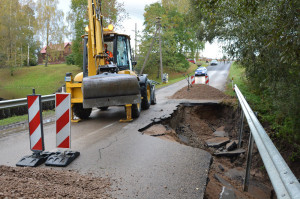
(95, 132)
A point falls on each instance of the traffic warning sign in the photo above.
(35, 123)
(63, 132)
(36, 134)
(192, 79)
(63, 115)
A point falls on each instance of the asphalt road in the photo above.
(142, 166)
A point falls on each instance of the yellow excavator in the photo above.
(107, 80)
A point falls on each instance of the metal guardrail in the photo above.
(283, 180)
(23, 101)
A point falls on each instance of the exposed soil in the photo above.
(18, 182)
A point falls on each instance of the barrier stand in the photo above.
(206, 79)
(192, 79)
(63, 132)
(36, 134)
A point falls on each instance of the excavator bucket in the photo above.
(109, 89)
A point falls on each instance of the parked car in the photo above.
(214, 62)
(201, 71)
(192, 61)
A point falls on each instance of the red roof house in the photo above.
(56, 53)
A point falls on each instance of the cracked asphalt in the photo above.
(141, 166)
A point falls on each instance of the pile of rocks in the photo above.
(225, 146)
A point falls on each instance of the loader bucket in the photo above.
(110, 89)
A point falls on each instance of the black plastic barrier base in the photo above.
(34, 160)
(62, 159)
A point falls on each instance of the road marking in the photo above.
(96, 131)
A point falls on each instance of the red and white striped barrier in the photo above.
(192, 79)
(206, 79)
(63, 132)
(35, 123)
(63, 115)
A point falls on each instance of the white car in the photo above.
(214, 62)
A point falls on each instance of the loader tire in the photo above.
(82, 113)
(104, 108)
(146, 94)
(153, 96)
(135, 110)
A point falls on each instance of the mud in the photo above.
(50, 183)
(193, 125)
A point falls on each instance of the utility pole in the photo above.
(158, 27)
(135, 47)
(147, 56)
(28, 47)
(160, 53)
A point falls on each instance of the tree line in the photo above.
(264, 38)
(26, 25)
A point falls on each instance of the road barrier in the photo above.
(206, 79)
(192, 79)
(283, 180)
(23, 101)
(63, 132)
(63, 115)
(35, 123)
(200, 79)
(36, 134)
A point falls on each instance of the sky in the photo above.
(135, 9)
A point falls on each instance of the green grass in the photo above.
(21, 118)
(45, 80)
(237, 72)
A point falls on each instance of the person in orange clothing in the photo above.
(110, 55)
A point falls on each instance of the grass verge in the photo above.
(45, 80)
(266, 114)
(21, 118)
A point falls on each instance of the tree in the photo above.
(16, 33)
(50, 24)
(178, 36)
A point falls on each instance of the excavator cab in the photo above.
(119, 46)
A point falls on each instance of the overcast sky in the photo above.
(135, 9)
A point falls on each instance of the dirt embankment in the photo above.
(50, 183)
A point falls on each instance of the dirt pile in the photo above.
(18, 182)
(198, 92)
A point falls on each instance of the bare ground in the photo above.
(21, 182)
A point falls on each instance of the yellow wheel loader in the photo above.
(105, 80)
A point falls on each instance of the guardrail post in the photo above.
(249, 161)
(241, 129)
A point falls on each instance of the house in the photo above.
(56, 53)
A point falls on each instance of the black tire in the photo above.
(135, 110)
(146, 94)
(153, 96)
(104, 108)
(82, 113)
